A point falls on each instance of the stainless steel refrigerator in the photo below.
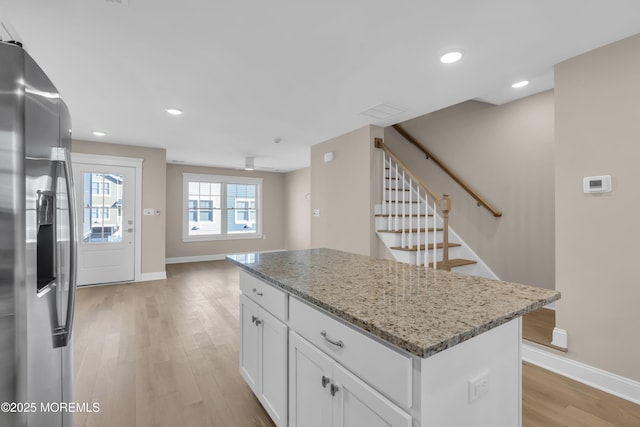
(37, 246)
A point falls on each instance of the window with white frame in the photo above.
(221, 207)
(100, 186)
(99, 213)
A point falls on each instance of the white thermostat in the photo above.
(596, 184)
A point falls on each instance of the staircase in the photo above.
(412, 222)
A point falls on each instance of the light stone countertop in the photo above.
(423, 311)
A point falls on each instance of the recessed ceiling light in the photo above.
(98, 133)
(520, 84)
(451, 57)
(174, 111)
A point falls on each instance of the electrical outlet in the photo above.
(478, 386)
(316, 212)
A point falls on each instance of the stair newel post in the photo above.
(418, 228)
(446, 208)
(410, 242)
(404, 211)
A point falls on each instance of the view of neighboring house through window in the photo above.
(220, 207)
(102, 202)
(241, 202)
(204, 204)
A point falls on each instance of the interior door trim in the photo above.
(131, 162)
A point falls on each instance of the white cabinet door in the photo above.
(323, 393)
(356, 404)
(310, 401)
(272, 384)
(249, 334)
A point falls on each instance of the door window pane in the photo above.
(102, 207)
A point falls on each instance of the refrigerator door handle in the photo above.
(63, 333)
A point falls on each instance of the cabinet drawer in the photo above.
(387, 370)
(269, 297)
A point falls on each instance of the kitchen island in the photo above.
(334, 338)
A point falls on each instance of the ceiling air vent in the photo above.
(124, 3)
(382, 111)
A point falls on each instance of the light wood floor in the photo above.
(538, 325)
(165, 353)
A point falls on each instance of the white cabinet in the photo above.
(309, 368)
(263, 358)
(310, 373)
(249, 342)
(323, 393)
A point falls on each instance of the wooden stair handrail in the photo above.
(481, 201)
(381, 145)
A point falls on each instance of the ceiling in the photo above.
(246, 72)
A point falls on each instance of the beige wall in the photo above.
(597, 236)
(506, 154)
(343, 193)
(153, 196)
(297, 188)
(273, 208)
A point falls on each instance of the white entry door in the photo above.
(106, 213)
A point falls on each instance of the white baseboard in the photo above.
(560, 338)
(608, 382)
(158, 275)
(198, 258)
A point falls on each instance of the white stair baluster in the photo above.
(388, 195)
(426, 230)
(418, 232)
(404, 221)
(410, 242)
(397, 207)
(435, 244)
(384, 183)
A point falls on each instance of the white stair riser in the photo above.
(398, 194)
(395, 239)
(409, 208)
(390, 207)
(382, 223)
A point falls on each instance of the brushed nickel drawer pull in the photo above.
(257, 292)
(338, 343)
